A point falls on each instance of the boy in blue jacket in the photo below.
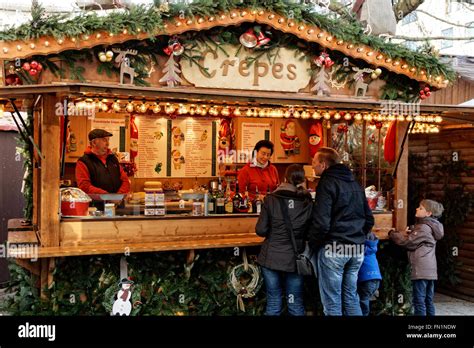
(369, 274)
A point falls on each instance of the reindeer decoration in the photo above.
(359, 78)
(124, 63)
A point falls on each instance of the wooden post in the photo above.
(401, 182)
(363, 163)
(49, 194)
(2, 72)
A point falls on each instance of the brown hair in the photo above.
(436, 209)
(328, 155)
(294, 174)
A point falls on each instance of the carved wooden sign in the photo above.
(242, 69)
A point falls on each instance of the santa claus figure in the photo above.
(315, 138)
(288, 139)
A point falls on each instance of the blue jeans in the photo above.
(423, 292)
(338, 273)
(366, 290)
(294, 291)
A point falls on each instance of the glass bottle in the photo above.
(237, 199)
(229, 206)
(220, 199)
(258, 202)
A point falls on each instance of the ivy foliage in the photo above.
(150, 20)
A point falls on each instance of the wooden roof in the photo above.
(173, 26)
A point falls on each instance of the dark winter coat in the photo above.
(341, 213)
(277, 251)
(421, 245)
(370, 270)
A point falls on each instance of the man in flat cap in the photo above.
(99, 171)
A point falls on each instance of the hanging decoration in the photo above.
(376, 73)
(323, 60)
(122, 305)
(124, 63)
(106, 56)
(12, 78)
(254, 37)
(315, 138)
(342, 128)
(248, 289)
(133, 138)
(33, 68)
(174, 47)
(171, 73)
(389, 149)
(425, 92)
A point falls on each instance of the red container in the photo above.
(74, 208)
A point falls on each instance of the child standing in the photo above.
(421, 245)
(369, 277)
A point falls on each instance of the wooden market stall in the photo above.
(233, 76)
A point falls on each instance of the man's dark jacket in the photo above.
(341, 213)
(277, 252)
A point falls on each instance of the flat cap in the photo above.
(98, 133)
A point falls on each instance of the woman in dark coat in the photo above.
(277, 256)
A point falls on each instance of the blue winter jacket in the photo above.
(370, 267)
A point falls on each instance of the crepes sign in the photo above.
(287, 70)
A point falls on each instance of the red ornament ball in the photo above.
(427, 89)
(26, 66)
(33, 72)
(34, 65)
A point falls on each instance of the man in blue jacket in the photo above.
(341, 219)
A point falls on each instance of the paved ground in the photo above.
(445, 305)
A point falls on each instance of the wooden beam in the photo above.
(401, 182)
(49, 195)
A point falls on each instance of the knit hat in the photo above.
(435, 208)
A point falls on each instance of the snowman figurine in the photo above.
(122, 306)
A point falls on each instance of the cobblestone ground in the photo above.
(445, 305)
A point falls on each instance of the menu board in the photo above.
(175, 148)
(152, 147)
(114, 126)
(253, 133)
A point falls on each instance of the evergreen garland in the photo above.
(150, 20)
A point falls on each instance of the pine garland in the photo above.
(150, 20)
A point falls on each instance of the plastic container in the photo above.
(109, 209)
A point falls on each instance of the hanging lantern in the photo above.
(249, 39)
(129, 107)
